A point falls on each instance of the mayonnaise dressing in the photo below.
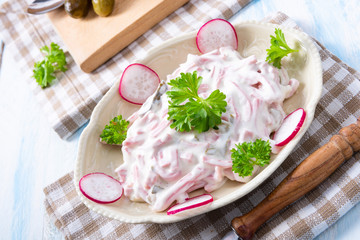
(162, 165)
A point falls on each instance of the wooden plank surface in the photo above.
(93, 40)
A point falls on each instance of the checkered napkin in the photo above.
(69, 102)
(305, 219)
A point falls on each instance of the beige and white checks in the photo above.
(305, 219)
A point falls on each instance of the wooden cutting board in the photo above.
(93, 40)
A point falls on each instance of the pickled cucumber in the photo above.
(103, 8)
(76, 8)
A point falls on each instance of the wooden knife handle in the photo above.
(310, 173)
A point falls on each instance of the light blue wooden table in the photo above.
(33, 156)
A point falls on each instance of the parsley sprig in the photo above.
(54, 60)
(115, 132)
(248, 154)
(197, 113)
(278, 48)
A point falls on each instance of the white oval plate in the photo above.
(254, 38)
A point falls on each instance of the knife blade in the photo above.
(231, 236)
(44, 6)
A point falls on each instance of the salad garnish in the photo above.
(248, 154)
(54, 61)
(197, 113)
(115, 132)
(278, 48)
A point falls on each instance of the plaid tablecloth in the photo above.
(69, 102)
(305, 219)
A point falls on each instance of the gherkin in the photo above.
(103, 8)
(76, 8)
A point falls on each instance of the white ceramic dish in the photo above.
(254, 38)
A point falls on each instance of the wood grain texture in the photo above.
(93, 40)
(310, 173)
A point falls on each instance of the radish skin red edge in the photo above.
(290, 127)
(137, 83)
(216, 33)
(100, 188)
(191, 203)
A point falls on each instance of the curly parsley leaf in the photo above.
(115, 132)
(278, 49)
(248, 154)
(54, 60)
(196, 113)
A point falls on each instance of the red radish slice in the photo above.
(138, 82)
(290, 127)
(100, 188)
(214, 34)
(191, 203)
